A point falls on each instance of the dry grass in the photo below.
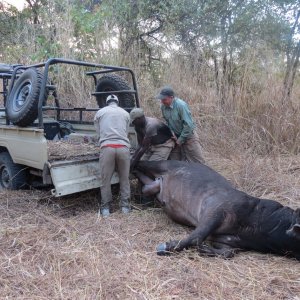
(61, 249)
(70, 149)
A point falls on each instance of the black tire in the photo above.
(22, 102)
(113, 82)
(12, 176)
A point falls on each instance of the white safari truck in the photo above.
(43, 142)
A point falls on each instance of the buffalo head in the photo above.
(294, 230)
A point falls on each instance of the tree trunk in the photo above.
(292, 55)
(290, 75)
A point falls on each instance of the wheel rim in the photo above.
(4, 178)
(22, 95)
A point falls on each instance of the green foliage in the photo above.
(229, 50)
(145, 34)
(86, 22)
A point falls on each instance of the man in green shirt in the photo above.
(178, 116)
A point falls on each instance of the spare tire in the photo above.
(22, 102)
(113, 82)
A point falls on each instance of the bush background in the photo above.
(237, 65)
(235, 62)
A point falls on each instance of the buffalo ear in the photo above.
(294, 231)
(296, 228)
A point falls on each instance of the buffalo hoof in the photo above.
(162, 249)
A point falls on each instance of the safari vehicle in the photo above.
(33, 129)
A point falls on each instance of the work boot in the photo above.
(125, 210)
(105, 212)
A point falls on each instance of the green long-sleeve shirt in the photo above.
(179, 119)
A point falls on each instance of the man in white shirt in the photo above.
(112, 123)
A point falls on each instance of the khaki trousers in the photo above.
(159, 152)
(189, 151)
(112, 159)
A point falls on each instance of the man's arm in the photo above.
(187, 123)
(140, 151)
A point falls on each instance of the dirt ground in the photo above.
(61, 249)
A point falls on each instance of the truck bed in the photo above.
(73, 165)
(70, 150)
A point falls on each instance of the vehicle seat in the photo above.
(51, 130)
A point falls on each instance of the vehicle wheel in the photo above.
(22, 102)
(113, 82)
(12, 176)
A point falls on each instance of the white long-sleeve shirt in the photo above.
(112, 124)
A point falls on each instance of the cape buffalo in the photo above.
(225, 218)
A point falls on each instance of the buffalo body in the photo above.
(228, 219)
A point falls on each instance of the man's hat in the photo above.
(112, 98)
(136, 113)
(167, 91)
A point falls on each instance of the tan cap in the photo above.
(136, 113)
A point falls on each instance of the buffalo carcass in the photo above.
(228, 220)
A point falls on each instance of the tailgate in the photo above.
(74, 176)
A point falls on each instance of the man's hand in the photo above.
(174, 138)
(178, 143)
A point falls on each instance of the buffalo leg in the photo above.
(142, 177)
(224, 251)
(197, 236)
(151, 187)
(225, 245)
